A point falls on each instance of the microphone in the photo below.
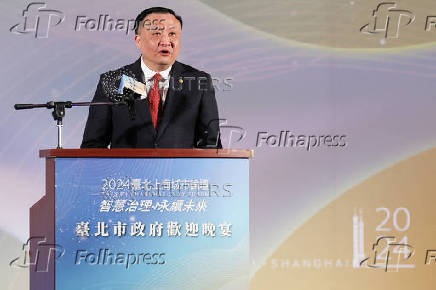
(114, 83)
(128, 90)
(133, 85)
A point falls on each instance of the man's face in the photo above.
(158, 39)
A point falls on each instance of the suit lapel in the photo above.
(135, 68)
(171, 99)
(142, 107)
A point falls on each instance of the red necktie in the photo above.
(154, 99)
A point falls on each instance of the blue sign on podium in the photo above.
(150, 223)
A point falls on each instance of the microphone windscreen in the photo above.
(111, 82)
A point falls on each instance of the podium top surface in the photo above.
(145, 153)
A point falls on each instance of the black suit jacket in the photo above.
(189, 117)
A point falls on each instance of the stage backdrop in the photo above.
(337, 99)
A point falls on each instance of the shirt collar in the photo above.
(148, 73)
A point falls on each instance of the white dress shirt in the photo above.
(164, 82)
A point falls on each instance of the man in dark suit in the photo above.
(179, 110)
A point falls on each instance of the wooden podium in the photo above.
(130, 218)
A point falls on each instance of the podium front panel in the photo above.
(152, 223)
